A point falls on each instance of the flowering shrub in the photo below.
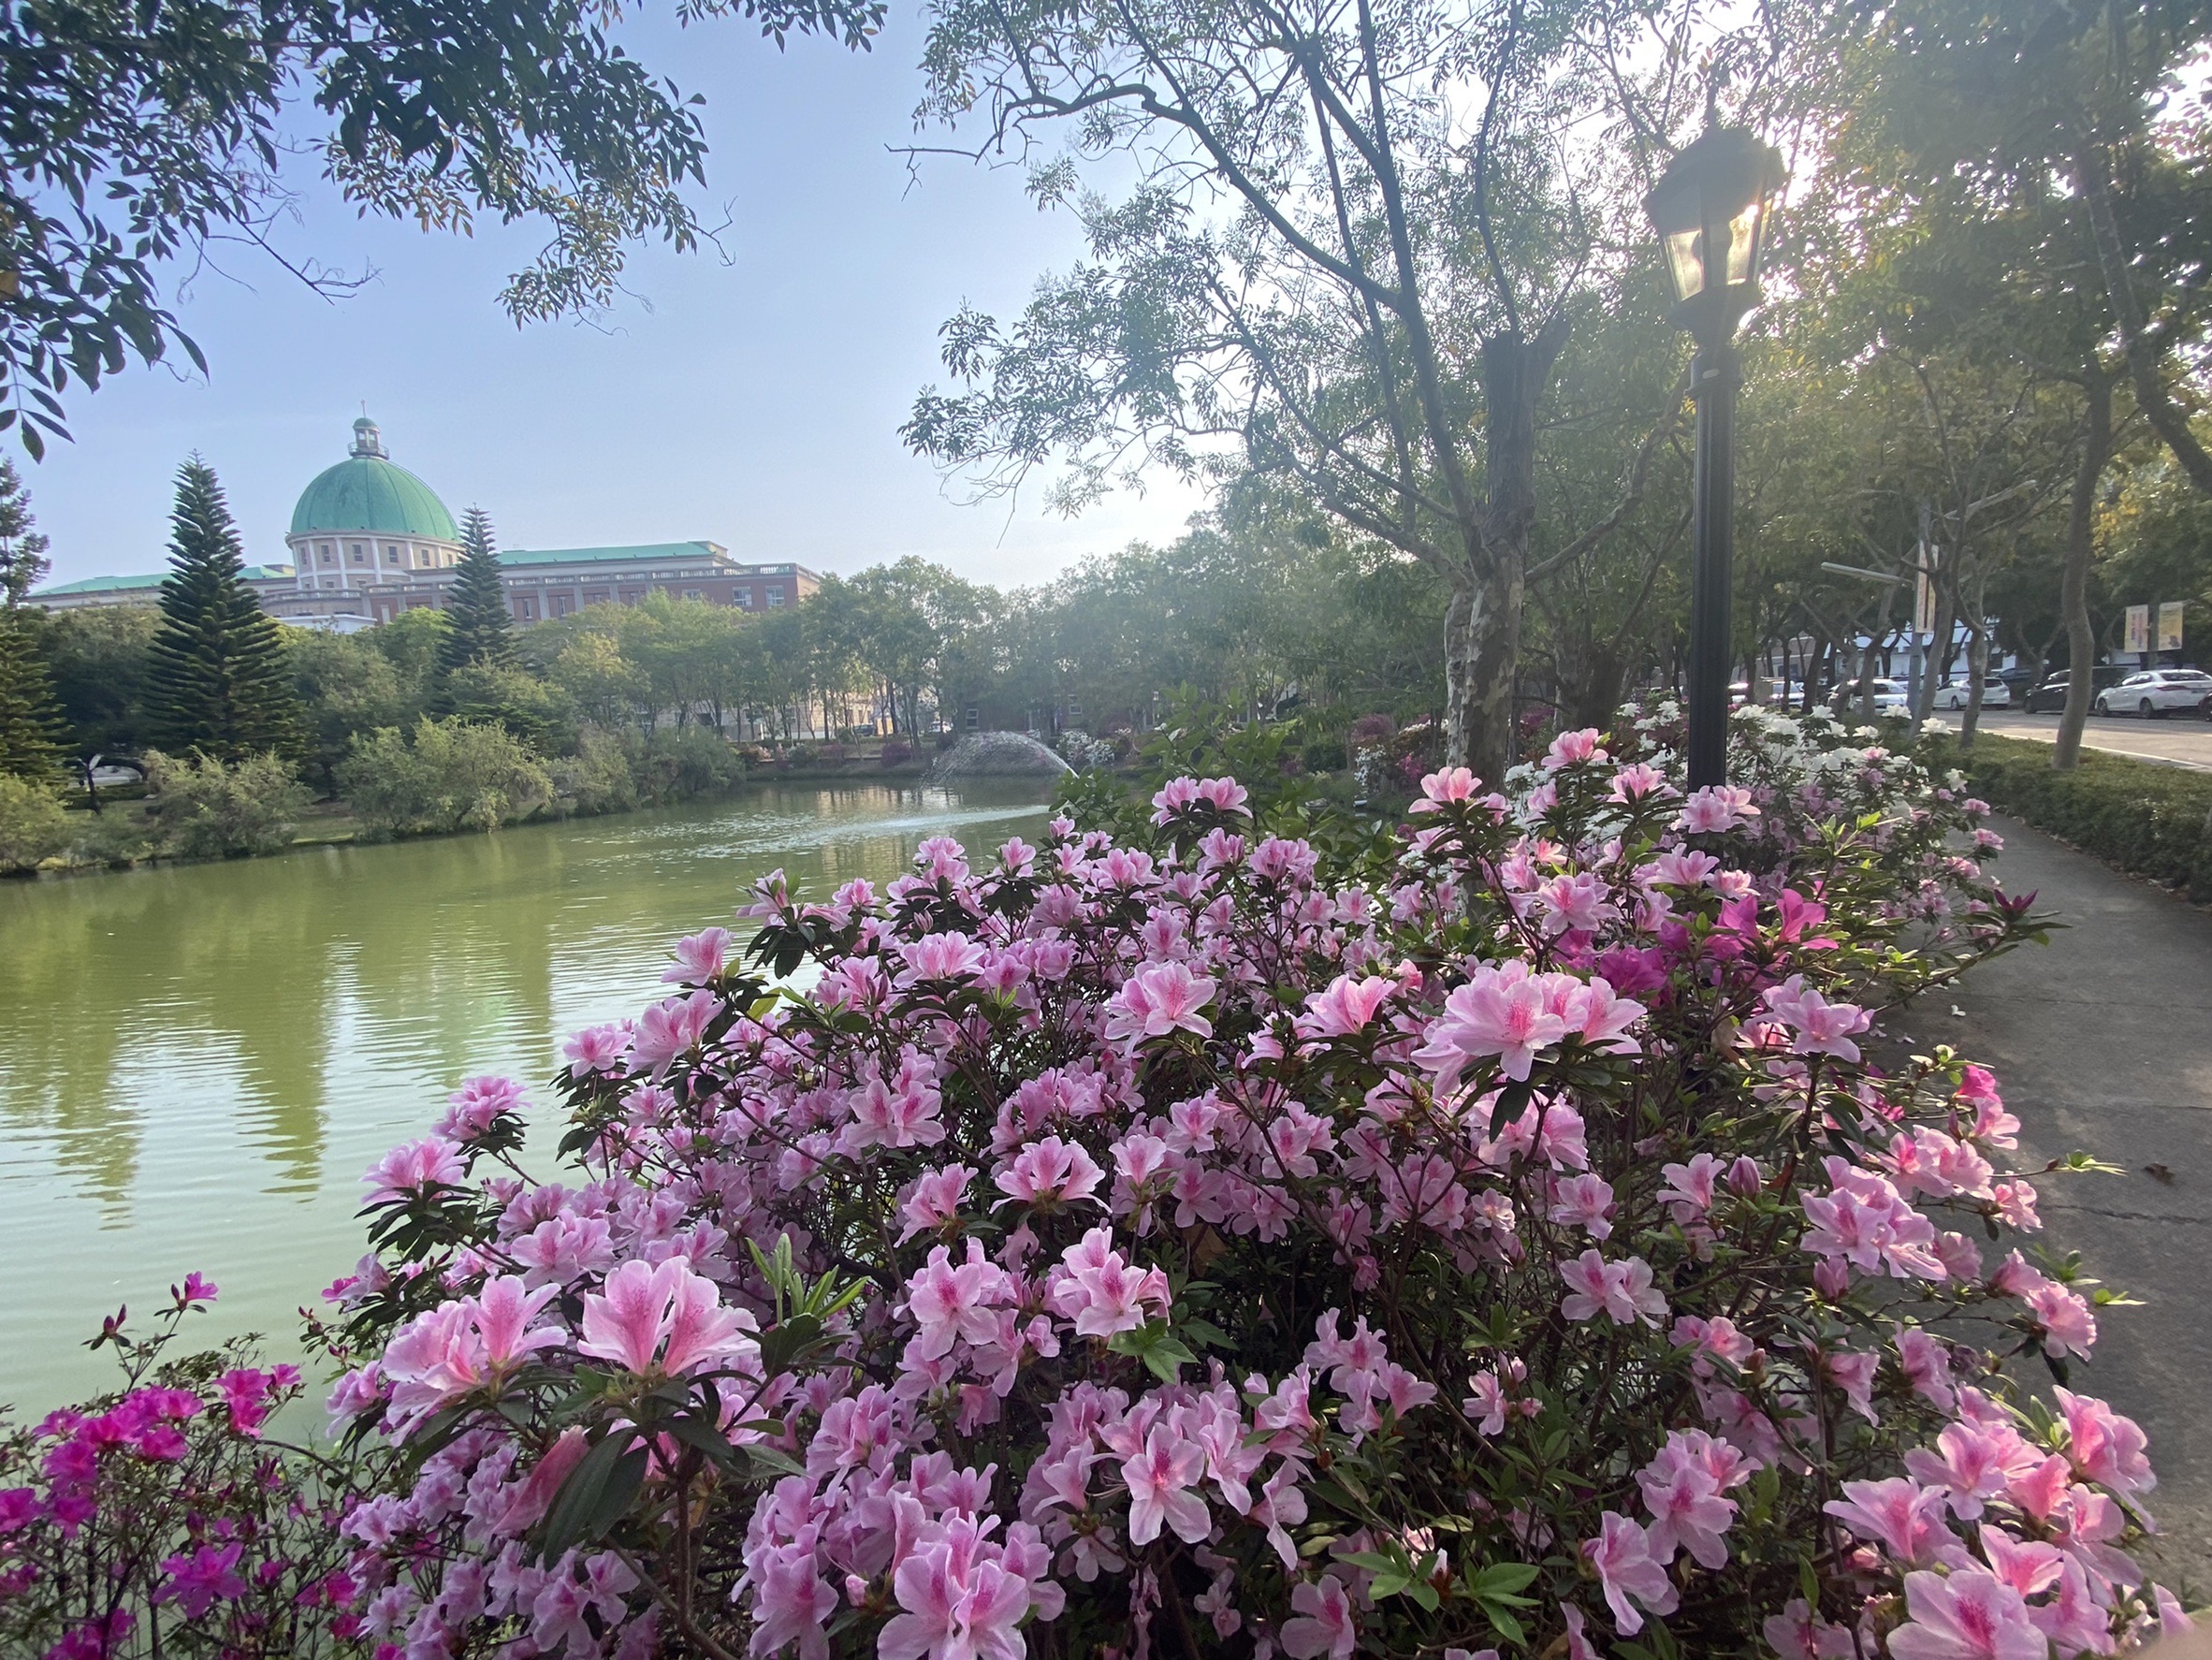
(167, 1519)
(1507, 1240)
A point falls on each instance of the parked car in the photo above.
(2155, 693)
(1890, 697)
(2050, 697)
(1956, 694)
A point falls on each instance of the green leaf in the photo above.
(596, 1494)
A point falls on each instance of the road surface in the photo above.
(2177, 740)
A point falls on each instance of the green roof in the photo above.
(130, 584)
(651, 550)
(99, 585)
(367, 493)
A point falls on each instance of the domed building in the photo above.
(366, 521)
(370, 540)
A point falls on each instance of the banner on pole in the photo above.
(2170, 626)
(2138, 629)
(1924, 608)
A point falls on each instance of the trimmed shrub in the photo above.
(896, 751)
(447, 775)
(33, 823)
(2149, 820)
(204, 809)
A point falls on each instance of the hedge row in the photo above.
(2145, 819)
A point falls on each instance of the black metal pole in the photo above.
(1715, 376)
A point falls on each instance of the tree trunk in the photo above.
(2081, 537)
(1482, 624)
(1977, 659)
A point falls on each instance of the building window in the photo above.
(692, 594)
(595, 596)
(391, 554)
(327, 557)
(528, 608)
(563, 603)
(742, 597)
(774, 598)
(975, 717)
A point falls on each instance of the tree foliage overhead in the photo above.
(137, 136)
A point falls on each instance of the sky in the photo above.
(750, 395)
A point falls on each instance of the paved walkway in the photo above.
(2102, 1041)
(2177, 740)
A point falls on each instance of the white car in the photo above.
(1995, 694)
(2154, 693)
(1890, 698)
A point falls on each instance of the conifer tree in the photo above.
(32, 729)
(221, 679)
(33, 733)
(477, 613)
(23, 564)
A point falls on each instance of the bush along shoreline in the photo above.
(1222, 1234)
(446, 776)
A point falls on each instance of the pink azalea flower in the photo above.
(1716, 807)
(699, 957)
(1493, 1013)
(1583, 1202)
(198, 1580)
(949, 1301)
(1050, 1173)
(1157, 1001)
(1569, 749)
(933, 1199)
(939, 956)
(413, 1168)
(643, 1304)
(1621, 1557)
(1902, 1517)
(1965, 1615)
(1346, 1007)
(2105, 1447)
(1622, 1290)
(671, 1029)
(960, 1600)
(1160, 1478)
(1321, 1623)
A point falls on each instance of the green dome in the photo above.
(367, 493)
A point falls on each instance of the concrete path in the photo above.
(2177, 740)
(2102, 1041)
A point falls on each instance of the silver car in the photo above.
(2155, 692)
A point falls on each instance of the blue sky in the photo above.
(752, 396)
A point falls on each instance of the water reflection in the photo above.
(196, 1063)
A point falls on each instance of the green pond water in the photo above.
(197, 1062)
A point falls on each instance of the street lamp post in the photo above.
(1710, 211)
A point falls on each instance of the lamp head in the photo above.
(1711, 209)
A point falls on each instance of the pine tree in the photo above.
(478, 610)
(221, 679)
(33, 733)
(23, 564)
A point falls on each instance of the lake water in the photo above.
(197, 1062)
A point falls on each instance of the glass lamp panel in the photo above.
(1744, 244)
(1685, 262)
